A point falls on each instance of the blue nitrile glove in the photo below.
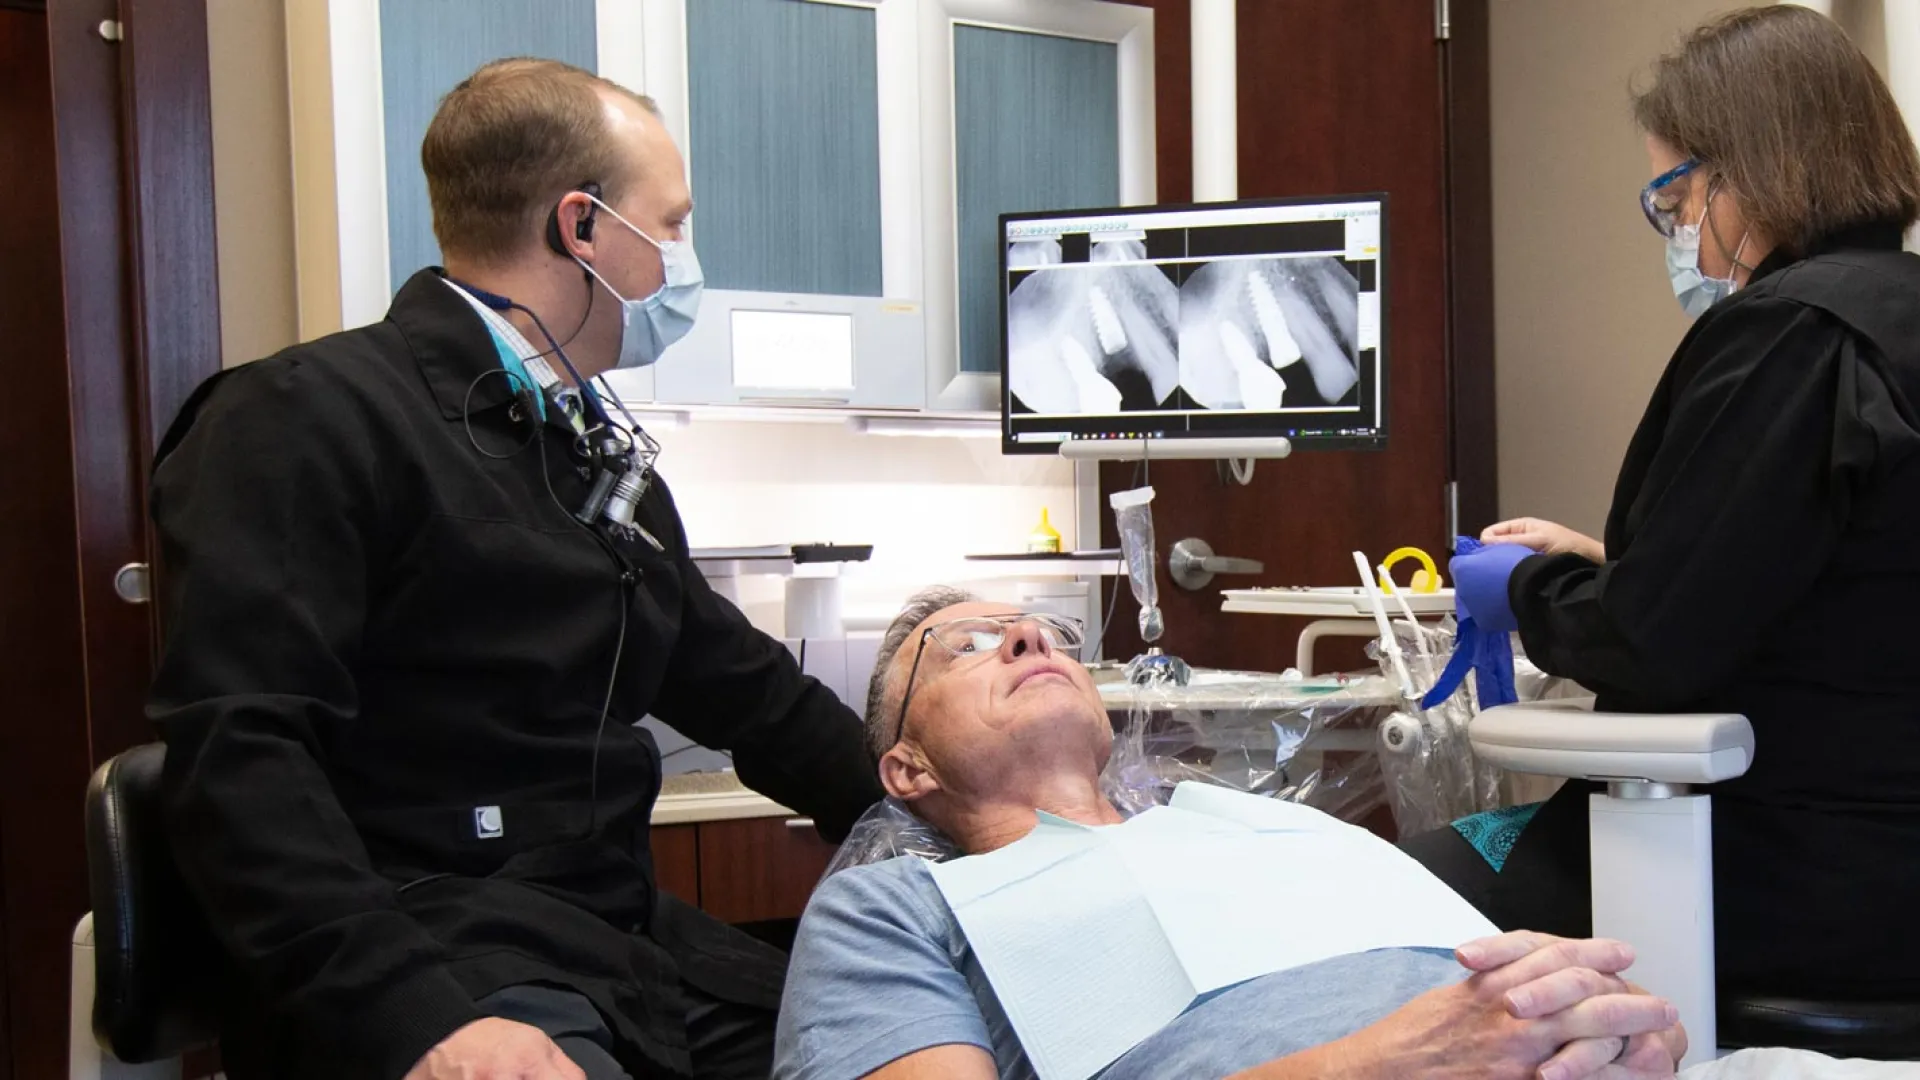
(1480, 574)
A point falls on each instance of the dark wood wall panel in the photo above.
(1173, 98)
(108, 304)
(170, 113)
(102, 368)
(1335, 96)
(1470, 285)
(43, 735)
(6, 1044)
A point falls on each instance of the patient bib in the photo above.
(1095, 938)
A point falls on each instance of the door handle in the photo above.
(1192, 564)
(133, 583)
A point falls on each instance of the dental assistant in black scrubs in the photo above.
(1762, 555)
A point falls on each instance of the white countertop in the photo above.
(711, 796)
(1339, 602)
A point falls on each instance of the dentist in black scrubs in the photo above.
(1762, 555)
(421, 583)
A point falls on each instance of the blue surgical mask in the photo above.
(1691, 286)
(650, 324)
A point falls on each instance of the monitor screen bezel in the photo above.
(1009, 446)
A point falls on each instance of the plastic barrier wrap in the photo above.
(1304, 740)
(1133, 519)
(1536, 685)
(888, 830)
(1429, 768)
(1431, 773)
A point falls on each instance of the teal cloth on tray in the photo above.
(1493, 832)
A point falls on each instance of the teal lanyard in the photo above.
(516, 369)
(508, 343)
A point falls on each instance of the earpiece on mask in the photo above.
(582, 229)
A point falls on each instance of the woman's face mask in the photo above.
(649, 324)
(1691, 286)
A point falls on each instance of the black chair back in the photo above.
(157, 966)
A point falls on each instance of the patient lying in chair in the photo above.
(987, 726)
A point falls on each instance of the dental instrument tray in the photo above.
(1100, 562)
(785, 553)
(1338, 602)
(824, 553)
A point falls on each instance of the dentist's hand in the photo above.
(1546, 538)
(1538, 975)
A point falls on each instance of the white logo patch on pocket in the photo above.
(488, 823)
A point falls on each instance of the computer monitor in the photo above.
(1244, 320)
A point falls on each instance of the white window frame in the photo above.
(339, 163)
(1126, 26)
(341, 233)
(339, 141)
(898, 89)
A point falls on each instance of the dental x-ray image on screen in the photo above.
(1267, 333)
(1236, 319)
(1094, 337)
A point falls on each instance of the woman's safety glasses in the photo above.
(978, 635)
(1661, 213)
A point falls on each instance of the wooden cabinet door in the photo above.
(676, 860)
(1335, 96)
(109, 301)
(760, 868)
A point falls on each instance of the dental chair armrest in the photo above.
(1565, 738)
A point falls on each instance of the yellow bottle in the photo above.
(1045, 539)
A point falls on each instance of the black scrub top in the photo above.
(1764, 558)
(381, 622)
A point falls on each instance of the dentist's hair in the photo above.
(508, 142)
(883, 701)
(1790, 115)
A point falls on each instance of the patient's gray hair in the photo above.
(883, 703)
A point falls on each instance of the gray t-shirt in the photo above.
(881, 969)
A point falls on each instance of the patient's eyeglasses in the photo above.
(978, 635)
(1662, 213)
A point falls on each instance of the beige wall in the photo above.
(1866, 21)
(252, 177)
(1584, 318)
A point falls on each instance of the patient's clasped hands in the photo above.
(1538, 1006)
